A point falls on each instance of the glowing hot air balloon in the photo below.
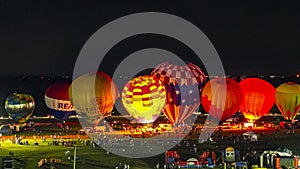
(93, 96)
(58, 101)
(19, 107)
(287, 97)
(144, 97)
(183, 86)
(221, 108)
(258, 98)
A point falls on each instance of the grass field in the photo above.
(28, 156)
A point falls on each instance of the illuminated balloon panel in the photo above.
(58, 101)
(19, 107)
(183, 86)
(287, 97)
(221, 108)
(144, 97)
(93, 96)
(258, 98)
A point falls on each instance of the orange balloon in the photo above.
(258, 98)
(215, 105)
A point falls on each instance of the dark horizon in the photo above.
(252, 38)
(36, 86)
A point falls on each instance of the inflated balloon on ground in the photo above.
(258, 98)
(221, 108)
(144, 97)
(19, 107)
(93, 95)
(183, 86)
(58, 101)
(287, 97)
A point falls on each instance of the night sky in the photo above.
(45, 37)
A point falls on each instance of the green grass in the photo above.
(27, 156)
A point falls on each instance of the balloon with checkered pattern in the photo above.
(19, 107)
(144, 97)
(183, 85)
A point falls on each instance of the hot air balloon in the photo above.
(183, 86)
(58, 101)
(221, 108)
(258, 98)
(144, 97)
(19, 107)
(287, 97)
(93, 96)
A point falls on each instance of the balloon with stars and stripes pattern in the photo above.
(183, 87)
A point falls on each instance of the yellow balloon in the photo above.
(288, 99)
(93, 96)
(144, 97)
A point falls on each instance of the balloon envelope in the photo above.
(287, 97)
(19, 107)
(144, 97)
(93, 96)
(183, 86)
(58, 101)
(221, 108)
(258, 98)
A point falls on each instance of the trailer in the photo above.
(278, 159)
(205, 159)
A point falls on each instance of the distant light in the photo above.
(249, 124)
(197, 113)
(272, 76)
